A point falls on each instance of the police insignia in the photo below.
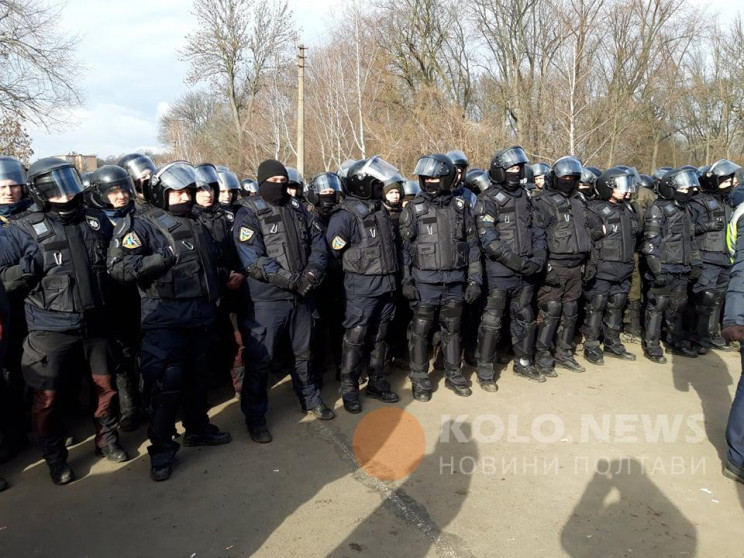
(295, 203)
(338, 243)
(246, 234)
(131, 241)
(488, 219)
(460, 203)
(93, 223)
(230, 217)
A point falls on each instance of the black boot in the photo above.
(593, 353)
(527, 370)
(129, 407)
(421, 389)
(322, 412)
(209, 436)
(112, 452)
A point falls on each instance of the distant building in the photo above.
(83, 163)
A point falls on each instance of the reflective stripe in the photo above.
(732, 231)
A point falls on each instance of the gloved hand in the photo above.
(551, 278)
(695, 273)
(589, 273)
(714, 226)
(235, 281)
(661, 279)
(285, 280)
(409, 291)
(309, 279)
(530, 267)
(472, 292)
(733, 332)
(169, 259)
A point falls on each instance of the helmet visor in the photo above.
(381, 170)
(686, 179)
(428, 166)
(724, 168)
(12, 170)
(567, 166)
(513, 156)
(59, 182)
(139, 165)
(624, 184)
(207, 174)
(177, 176)
(228, 181)
(325, 182)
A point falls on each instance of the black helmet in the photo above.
(587, 184)
(438, 166)
(458, 159)
(721, 170)
(565, 167)
(505, 159)
(52, 177)
(529, 178)
(12, 169)
(206, 174)
(248, 187)
(104, 181)
(675, 180)
(411, 189)
(469, 197)
(615, 178)
(177, 175)
(364, 175)
(596, 170)
(477, 180)
(85, 180)
(295, 180)
(658, 175)
(646, 182)
(540, 169)
(324, 182)
(140, 168)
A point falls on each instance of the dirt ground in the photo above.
(623, 460)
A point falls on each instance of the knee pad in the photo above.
(423, 318)
(598, 302)
(525, 296)
(552, 309)
(496, 302)
(450, 316)
(172, 378)
(382, 331)
(356, 335)
(617, 301)
(658, 303)
(525, 315)
(708, 298)
(571, 309)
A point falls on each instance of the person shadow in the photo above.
(414, 514)
(709, 376)
(623, 511)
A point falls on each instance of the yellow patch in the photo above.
(488, 219)
(246, 234)
(131, 241)
(338, 243)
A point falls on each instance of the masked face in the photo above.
(682, 195)
(327, 202)
(274, 190)
(513, 178)
(566, 185)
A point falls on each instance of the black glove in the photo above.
(551, 278)
(493, 250)
(169, 259)
(530, 267)
(589, 273)
(472, 292)
(714, 226)
(661, 280)
(409, 291)
(309, 279)
(695, 273)
(285, 280)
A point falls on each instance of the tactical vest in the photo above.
(714, 210)
(618, 245)
(677, 234)
(286, 240)
(513, 221)
(441, 238)
(216, 222)
(375, 253)
(194, 275)
(74, 262)
(568, 234)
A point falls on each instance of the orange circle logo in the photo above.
(389, 443)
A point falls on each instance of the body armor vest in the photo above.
(375, 253)
(714, 209)
(74, 262)
(513, 220)
(568, 234)
(441, 239)
(285, 231)
(618, 245)
(194, 275)
(676, 248)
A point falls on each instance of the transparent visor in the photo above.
(381, 170)
(513, 156)
(249, 185)
(686, 179)
(110, 188)
(567, 166)
(724, 168)
(481, 181)
(60, 182)
(294, 177)
(178, 176)
(327, 182)
(207, 174)
(139, 165)
(624, 184)
(228, 181)
(428, 166)
(13, 172)
(458, 157)
(411, 188)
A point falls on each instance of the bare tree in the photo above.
(38, 69)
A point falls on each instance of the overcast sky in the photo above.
(133, 73)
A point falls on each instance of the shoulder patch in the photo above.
(295, 203)
(246, 234)
(338, 243)
(460, 202)
(93, 223)
(131, 241)
(488, 218)
(230, 216)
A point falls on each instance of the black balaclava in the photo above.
(566, 187)
(273, 192)
(70, 211)
(513, 180)
(327, 203)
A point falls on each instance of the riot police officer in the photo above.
(478, 181)
(411, 189)
(539, 172)
(711, 213)
(173, 261)
(295, 183)
(441, 271)
(248, 187)
(229, 192)
(283, 253)
(140, 168)
(614, 228)
(672, 261)
(112, 191)
(361, 237)
(513, 243)
(562, 214)
(56, 253)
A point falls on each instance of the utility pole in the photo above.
(301, 113)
